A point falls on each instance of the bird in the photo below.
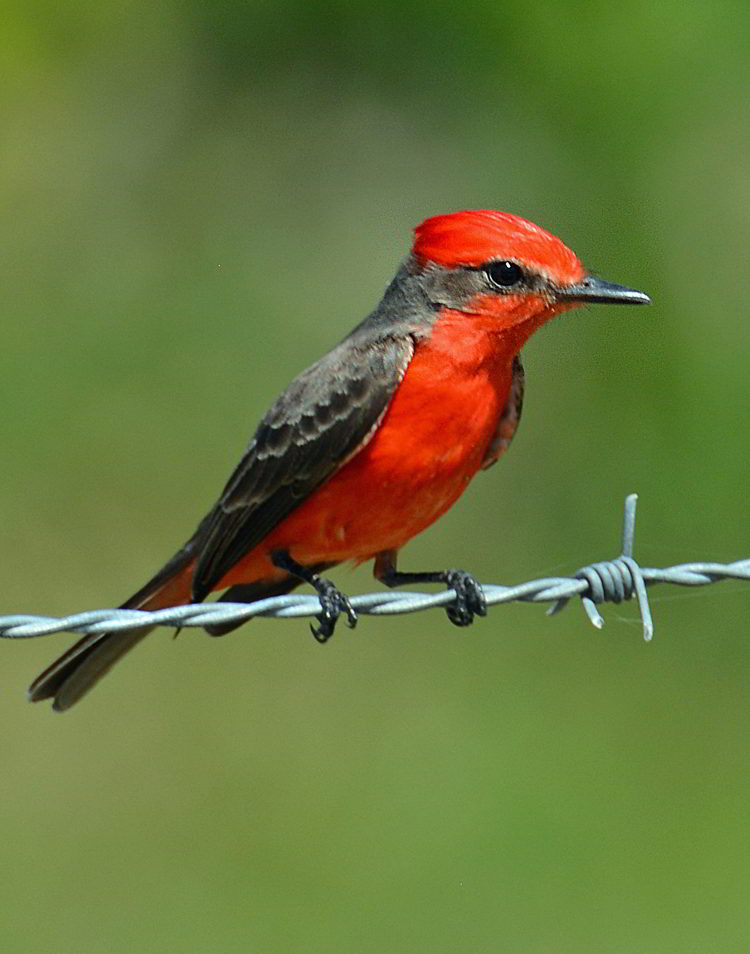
(376, 440)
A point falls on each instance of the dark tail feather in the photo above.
(71, 676)
(78, 670)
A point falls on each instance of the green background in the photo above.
(198, 199)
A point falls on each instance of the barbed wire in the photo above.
(608, 581)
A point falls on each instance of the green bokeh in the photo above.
(198, 199)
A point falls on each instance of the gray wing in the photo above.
(324, 417)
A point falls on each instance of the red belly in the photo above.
(429, 445)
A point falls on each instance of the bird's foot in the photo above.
(470, 600)
(333, 603)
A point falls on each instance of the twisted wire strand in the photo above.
(607, 581)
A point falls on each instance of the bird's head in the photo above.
(506, 271)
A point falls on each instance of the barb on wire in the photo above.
(608, 581)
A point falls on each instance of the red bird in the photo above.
(375, 441)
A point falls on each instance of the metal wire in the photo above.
(609, 581)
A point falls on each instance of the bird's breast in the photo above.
(442, 417)
(430, 443)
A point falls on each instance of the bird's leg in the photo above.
(332, 600)
(469, 602)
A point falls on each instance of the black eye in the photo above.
(504, 274)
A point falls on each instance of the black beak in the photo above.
(595, 291)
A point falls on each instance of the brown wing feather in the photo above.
(323, 418)
(507, 423)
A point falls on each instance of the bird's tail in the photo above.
(78, 670)
(71, 676)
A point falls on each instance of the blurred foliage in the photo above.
(198, 199)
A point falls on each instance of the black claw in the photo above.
(333, 603)
(323, 632)
(469, 602)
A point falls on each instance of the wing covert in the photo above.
(509, 420)
(324, 417)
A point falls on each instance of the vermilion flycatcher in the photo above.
(376, 440)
